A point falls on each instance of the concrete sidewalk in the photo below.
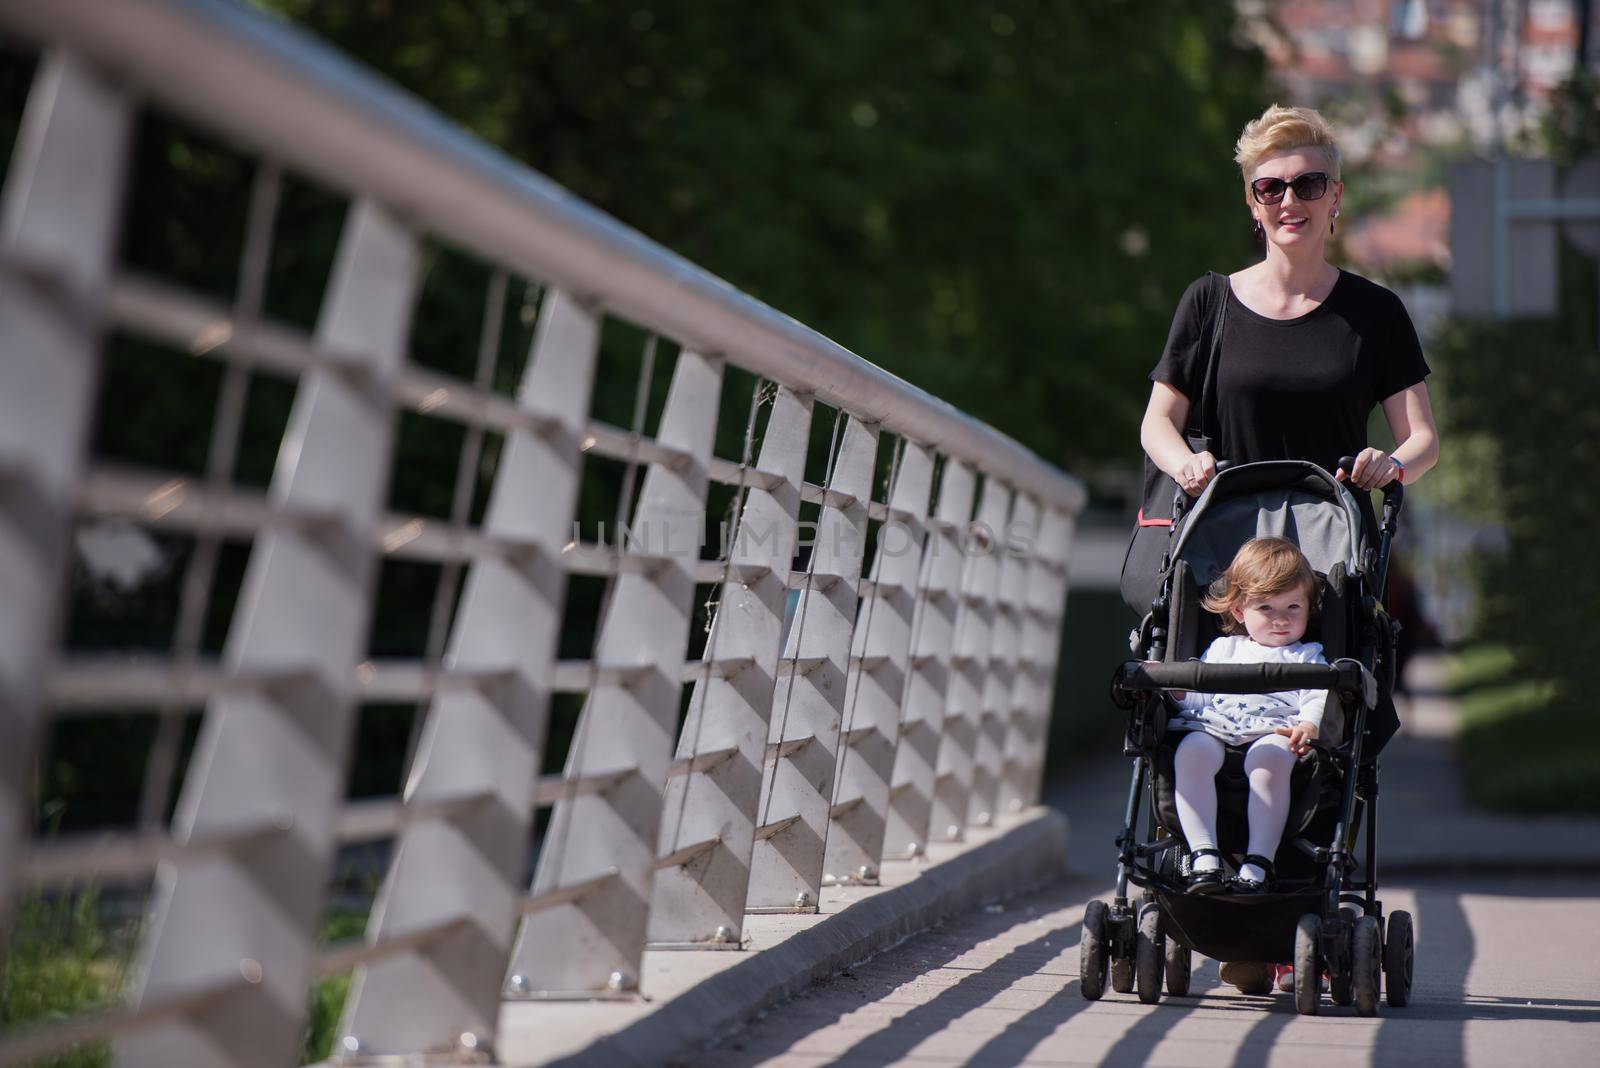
(1425, 822)
(693, 997)
(1426, 826)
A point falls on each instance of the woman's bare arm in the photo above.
(1410, 419)
(1410, 416)
(1162, 439)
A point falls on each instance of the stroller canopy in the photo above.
(1291, 499)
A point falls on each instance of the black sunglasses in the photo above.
(1312, 185)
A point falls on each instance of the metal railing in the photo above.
(838, 714)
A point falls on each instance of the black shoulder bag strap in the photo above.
(1202, 431)
(1141, 566)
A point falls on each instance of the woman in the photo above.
(1308, 350)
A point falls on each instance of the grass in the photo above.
(325, 1001)
(63, 960)
(1526, 747)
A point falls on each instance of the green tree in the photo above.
(998, 201)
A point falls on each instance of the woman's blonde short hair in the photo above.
(1263, 567)
(1281, 129)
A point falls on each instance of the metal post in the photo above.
(955, 771)
(1001, 715)
(58, 225)
(708, 832)
(584, 930)
(808, 705)
(270, 764)
(482, 746)
(878, 666)
(991, 643)
(1034, 693)
(932, 642)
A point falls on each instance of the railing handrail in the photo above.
(254, 78)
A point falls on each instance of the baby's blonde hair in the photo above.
(1281, 129)
(1263, 567)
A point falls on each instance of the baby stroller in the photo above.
(1322, 911)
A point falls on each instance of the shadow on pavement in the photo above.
(974, 991)
(870, 985)
(1445, 951)
(1255, 1048)
(1140, 1040)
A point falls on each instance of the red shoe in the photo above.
(1283, 978)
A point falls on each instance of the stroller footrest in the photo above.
(1320, 854)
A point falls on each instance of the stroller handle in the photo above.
(1394, 492)
(1349, 678)
(1394, 495)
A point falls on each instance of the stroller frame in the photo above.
(1337, 920)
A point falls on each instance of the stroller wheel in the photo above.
(1399, 954)
(1122, 975)
(1092, 952)
(1179, 965)
(1307, 968)
(1339, 974)
(1367, 965)
(1150, 950)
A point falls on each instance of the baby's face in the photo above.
(1276, 620)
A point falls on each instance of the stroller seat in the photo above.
(1315, 784)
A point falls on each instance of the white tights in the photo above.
(1268, 764)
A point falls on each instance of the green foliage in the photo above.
(1519, 749)
(1477, 666)
(325, 1001)
(62, 961)
(1570, 130)
(999, 202)
(323, 1005)
(1522, 394)
(1522, 434)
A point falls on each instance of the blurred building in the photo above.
(1400, 74)
(1411, 82)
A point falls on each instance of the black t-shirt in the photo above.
(1301, 388)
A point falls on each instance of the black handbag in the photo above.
(1141, 566)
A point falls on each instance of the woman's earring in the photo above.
(1257, 231)
(1333, 221)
